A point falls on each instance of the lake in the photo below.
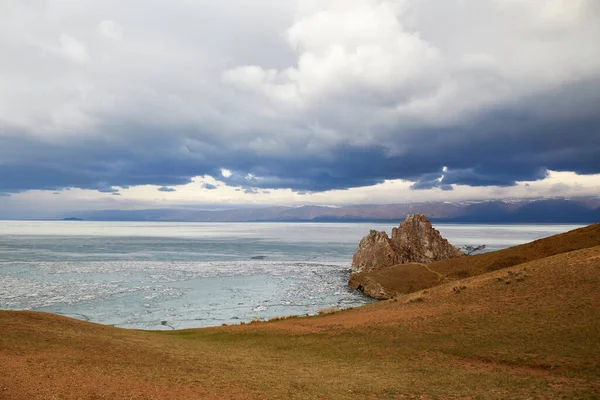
(160, 275)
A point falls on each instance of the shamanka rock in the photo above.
(414, 241)
(421, 242)
(375, 251)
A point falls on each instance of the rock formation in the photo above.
(375, 251)
(421, 242)
(369, 286)
(414, 241)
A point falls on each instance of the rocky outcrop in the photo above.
(369, 286)
(375, 251)
(414, 241)
(384, 267)
(420, 242)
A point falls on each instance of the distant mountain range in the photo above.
(556, 210)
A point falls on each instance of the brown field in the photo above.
(530, 331)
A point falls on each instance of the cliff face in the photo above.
(375, 251)
(414, 241)
(420, 242)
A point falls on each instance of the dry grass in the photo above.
(330, 310)
(282, 318)
(537, 337)
(408, 278)
(402, 278)
(481, 263)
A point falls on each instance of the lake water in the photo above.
(156, 275)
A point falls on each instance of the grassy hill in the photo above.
(527, 331)
(407, 278)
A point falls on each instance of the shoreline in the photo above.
(503, 336)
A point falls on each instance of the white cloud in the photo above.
(554, 14)
(66, 46)
(110, 29)
(73, 49)
(353, 45)
(399, 62)
(357, 68)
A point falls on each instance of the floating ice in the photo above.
(137, 275)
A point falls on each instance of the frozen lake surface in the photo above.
(158, 275)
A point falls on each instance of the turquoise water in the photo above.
(152, 275)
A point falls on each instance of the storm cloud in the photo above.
(311, 95)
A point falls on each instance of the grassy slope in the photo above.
(537, 336)
(401, 278)
(408, 277)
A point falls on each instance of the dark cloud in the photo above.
(219, 99)
(103, 189)
(209, 186)
(499, 149)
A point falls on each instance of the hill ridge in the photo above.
(550, 210)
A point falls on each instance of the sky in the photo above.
(106, 104)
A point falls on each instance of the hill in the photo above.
(406, 278)
(528, 331)
(560, 210)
